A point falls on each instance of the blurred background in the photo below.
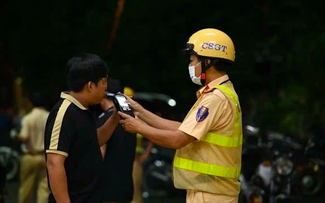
(278, 74)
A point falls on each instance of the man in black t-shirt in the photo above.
(72, 141)
(118, 154)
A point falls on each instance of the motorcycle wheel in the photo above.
(11, 161)
(311, 184)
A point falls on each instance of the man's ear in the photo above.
(89, 86)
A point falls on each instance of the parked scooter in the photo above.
(275, 171)
(308, 178)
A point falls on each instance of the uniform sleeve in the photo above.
(204, 116)
(24, 133)
(59, 138)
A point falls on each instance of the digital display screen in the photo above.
(123, 102)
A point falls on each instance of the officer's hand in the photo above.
(129, 123)
(135, 106)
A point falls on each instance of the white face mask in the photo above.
(194, 78)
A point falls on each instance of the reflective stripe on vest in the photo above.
(222, 140)
(205, 168)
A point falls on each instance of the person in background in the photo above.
(118, 154)
(33, 167)
(141, 155)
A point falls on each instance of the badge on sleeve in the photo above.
(202, 114)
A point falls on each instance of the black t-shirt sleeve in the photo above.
(60, 133)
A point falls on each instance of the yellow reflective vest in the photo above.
(193, 164)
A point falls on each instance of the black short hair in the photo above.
(85, 68)
(222, 65)
(37, 99)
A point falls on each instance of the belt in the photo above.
(34, 153)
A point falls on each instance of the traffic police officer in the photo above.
(209, 141)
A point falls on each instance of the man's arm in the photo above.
(156, 121)
(146, 154)
(105, 132)
(175, 139)
(149, 147)
(57, 177)
(168, 138)
(151, 118)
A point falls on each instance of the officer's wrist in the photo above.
(141, 112)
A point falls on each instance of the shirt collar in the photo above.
(211, 85)
(66, 95)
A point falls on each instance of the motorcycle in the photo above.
(280, 183)
(308, 178)
(277, 168)
(285, 170)
(272, 159)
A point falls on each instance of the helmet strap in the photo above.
(206, 67)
